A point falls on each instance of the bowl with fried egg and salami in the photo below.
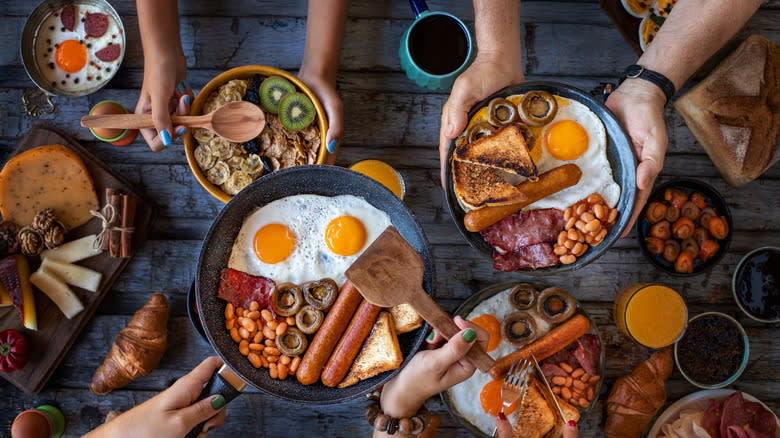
(542, 180)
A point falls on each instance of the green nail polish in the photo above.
(218, 402)
(469, 335)
(431, 336)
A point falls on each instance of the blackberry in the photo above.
(252, 146)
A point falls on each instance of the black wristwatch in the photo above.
(639, 71)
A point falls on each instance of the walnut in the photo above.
(31, 241)
(54, 236)
(44, 219)
(9, 243)
(50, 228)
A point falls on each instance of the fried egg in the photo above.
(68, 59)
(478, 398)
(306, 237)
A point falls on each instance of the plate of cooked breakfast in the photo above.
(294, 132)
(273, 297)
(685, 227)
(522, 318)
(716, 413)
(542, 180)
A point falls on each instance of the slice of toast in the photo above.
(480, 186)
(380, 352)
(405, 319)
(536, 417)
(504, 149)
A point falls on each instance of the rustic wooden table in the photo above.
(389, 118)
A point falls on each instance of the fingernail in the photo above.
(181, 132)
(572, 423)
(218, 402)
(165, 137)
(469, 335)
(431, 336)
(180, 87)
(332, 145)
(501, 416)
(187, 99)
(185, 85)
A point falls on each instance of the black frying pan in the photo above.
(214, 254)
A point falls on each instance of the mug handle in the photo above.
(223, 382)
(418, 7)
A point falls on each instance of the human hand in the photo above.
(432, 371)
(325, 90)
(639, 105)
(173, 412)
(164, 92)
(488, 73)
(504, 428)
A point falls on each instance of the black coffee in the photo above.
(438, 44)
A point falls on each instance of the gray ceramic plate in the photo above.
(620, 153)
(490, 291)
(214, 254)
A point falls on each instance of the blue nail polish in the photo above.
(165, 137)
(332, 145)
(180, 88)
(185, 85)
(181, 132)
(187, 99)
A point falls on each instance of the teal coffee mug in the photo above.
(436, 48)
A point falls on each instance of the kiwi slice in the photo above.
(272, 90)
(296, 111)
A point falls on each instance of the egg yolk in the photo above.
(490, 324)
(490, 399)
(383, 173)
(566, 140)
(345, 235)
(71, 56)
(273, 243)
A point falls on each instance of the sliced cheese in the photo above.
(52, 176)
(58, 292)
(73, 251)
(15, 277)
(74, 275)
(5, 297)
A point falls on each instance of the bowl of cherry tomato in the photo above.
(685, 227)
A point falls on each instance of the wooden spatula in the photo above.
(234, 121)
(390, 272)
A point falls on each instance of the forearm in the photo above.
(324, 34)
(693, 32)
(497, 25)
(158, 22)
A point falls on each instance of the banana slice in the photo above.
(204, 158)
(221, 148)
(203, 136)
(236, 163)
(236, 182)
(252, 164)
(219, 173)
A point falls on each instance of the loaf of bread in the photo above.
(734, 113)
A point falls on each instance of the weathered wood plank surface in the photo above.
(389, 118)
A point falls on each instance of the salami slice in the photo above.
(109, 53)
(96, 24)
(68, 17)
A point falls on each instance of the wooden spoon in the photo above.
(390, 272)
(238, 121)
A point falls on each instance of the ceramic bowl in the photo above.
(749, 256)
(246, 72)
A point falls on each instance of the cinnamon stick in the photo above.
(128, 219)
(114, 236)
(109, 193)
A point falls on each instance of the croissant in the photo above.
(137, 348)
(637, 397)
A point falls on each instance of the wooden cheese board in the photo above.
(56, 334)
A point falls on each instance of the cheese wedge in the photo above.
(74, 275)
(73, 251)
(52, 176)
(58, 292)
(15, 277)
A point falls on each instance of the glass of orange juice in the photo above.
(383, 173)
(652, 315)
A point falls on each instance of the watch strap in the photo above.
(640, 72)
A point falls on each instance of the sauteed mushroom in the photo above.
(292, 343)
(321, 293)
(555, 305)
(309, 319)
(286, 299)
(523, 296)
(537, 108)
(519, 329)
(501, 112)
(479, 130)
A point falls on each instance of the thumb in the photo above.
(199, 412)
(162, 119)
(335, 111)
(571, 430)
(454, 116)
(503, 426)
(453, 350)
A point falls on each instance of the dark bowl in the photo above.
(216, 248)
(713, 198)
(193, 314)
(620, 153)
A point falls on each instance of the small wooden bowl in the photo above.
(246, 72)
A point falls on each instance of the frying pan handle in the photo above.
(444, 325)
(216, 385)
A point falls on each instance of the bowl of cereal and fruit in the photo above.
(294, 133)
